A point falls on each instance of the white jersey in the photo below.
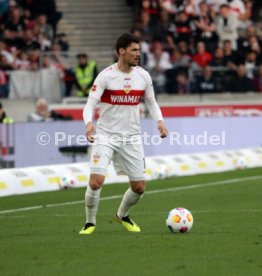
(237, 8)
(120, 94)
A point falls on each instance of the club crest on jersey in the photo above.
(127, 88)
(96, 158)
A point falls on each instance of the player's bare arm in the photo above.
(162, 129)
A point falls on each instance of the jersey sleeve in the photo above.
(98, 87)
(150, 99)
(95, 94)
(242, 8)
(89, 110)
(149, 91)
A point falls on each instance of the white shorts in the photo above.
(127, 155)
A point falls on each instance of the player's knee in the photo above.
(139, 188)
(95, 185)
(96, 182)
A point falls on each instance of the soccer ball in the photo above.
(67, 181)
(179, 220)
(161, 171)
(241, 163)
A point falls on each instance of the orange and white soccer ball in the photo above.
(67, 181)
(179, 220)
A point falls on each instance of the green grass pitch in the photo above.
(226, 238)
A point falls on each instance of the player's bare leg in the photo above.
(92, 198)
(130, 198)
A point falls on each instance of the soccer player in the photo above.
(117, 136)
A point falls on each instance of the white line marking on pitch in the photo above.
(244, 211)
(181, 188)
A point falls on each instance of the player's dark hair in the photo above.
(125, 40)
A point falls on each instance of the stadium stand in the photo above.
(222, 34)
(189, 46)
(93, 26)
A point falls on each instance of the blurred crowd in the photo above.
(196, 46)
(29, 41)
(188, 46)
(27, 29)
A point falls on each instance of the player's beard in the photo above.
(133, 64)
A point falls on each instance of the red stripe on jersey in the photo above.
(120, 97)
(235, 9)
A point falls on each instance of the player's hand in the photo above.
(162, 129)
(90, 129)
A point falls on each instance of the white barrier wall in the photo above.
(49, 178)
(35, 84)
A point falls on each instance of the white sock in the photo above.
(130, 198)
(92, 198)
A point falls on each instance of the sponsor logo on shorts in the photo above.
(96, 158)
